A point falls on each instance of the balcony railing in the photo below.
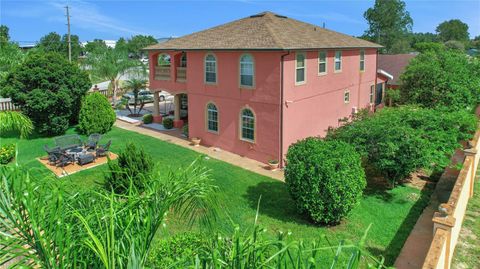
(181, 74)
(162, 72)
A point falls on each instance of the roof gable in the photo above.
(264, 31)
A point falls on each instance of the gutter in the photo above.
(280, 159)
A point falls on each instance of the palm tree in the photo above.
(135, 85)
(110, 64)
(15, 121)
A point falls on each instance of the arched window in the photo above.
(246, 70)
(210, 69)
(183, 60)
(212, 118)
(247, 125)
(163, 60)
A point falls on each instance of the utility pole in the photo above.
(68, 36)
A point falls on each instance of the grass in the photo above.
(467, 251)
(392, 213)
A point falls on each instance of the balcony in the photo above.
(162, 72)
(181, 74)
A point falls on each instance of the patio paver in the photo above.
(237, 160)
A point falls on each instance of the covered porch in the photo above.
(177, 110)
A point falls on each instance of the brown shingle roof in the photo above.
(394, 64)
(264, 31)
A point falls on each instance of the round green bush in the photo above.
(324, 178)
(147, 118)
(167, 123)
(96, 115)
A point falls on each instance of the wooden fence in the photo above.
(7, 105)
(447, 222)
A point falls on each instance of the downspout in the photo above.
(282, 102)
(375, 86)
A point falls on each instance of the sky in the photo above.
(29, 20)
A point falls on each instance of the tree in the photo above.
(49, 89)
(10, 56)
(96, 115)
(389, 23)
(441, 78)
(95, 45)
(110, 64)
(138, 42)
(4, 34)
(135, 85)
(416, 38)
(429, 46)
(15, 121)
(455, 45)
(52, 42)
(121, 44)
(76, 45)
(453, 30)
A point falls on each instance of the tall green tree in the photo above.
(453, 30)
(10, 56)
(49, 89)
(96, 44)
(389, 25)
(76, 46)
(121, 44)
(138, 42)
(4, 33)
(111, 64)
(51, 42)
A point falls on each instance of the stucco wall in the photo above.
(314, 106)
(229, 98)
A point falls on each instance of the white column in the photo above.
(156, 104)
(177, 106)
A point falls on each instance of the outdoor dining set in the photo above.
(71, 149)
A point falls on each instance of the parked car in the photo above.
(146, 96)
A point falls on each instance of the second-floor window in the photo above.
(183, 60)
(338, 61)
(210, 69)
(163, 60)
(299, 67)
(362, 60)
(322, 62)
(246, 70)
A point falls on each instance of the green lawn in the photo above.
(467, 251)
(392, 213)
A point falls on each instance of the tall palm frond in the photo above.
(135, 85)
(15, 121)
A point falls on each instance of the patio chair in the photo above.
(68, 141)
(102, 150)
(53, 154)
(65, 159)
(92, 142)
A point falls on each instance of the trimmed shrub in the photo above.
(132, 169)
(7, 153)
(96, 115)
(399, 141)
(167, 123)
(147, 118)
(325, 178)
(185, 130)
(49, 89)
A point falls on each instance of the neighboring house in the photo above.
(394, 64)
(256, 85)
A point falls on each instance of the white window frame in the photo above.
(362, 60)
(304, 68)
(207, 119)
(339, 60)
(346, 96)
(320, 61)
(205, 69)
(240, 72)
(254, 117)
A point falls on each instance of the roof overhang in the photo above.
(384, 73)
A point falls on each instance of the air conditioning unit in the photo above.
(354, 110)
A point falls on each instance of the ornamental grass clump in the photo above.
(325, 178)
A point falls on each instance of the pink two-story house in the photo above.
(256, 85)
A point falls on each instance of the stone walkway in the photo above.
(237, 160)
(418, 242)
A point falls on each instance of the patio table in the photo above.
(75, 152)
